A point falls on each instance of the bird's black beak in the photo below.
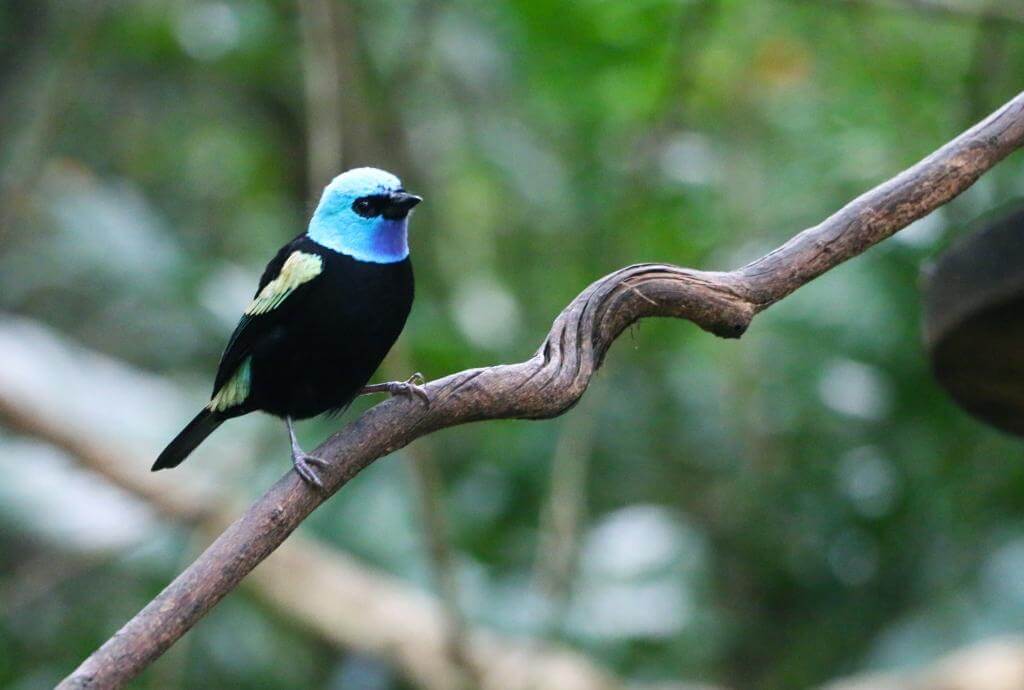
(399, 204)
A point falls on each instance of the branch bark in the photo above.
(551, 381)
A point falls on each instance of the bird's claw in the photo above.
(305, 467)
(410, 387)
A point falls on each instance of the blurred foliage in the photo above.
(769, 513)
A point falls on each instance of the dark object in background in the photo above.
(974, 322)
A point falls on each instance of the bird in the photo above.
(328, 308)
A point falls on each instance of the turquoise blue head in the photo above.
(364, 213)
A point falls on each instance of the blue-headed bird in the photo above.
(327, 310)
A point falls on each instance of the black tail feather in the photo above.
(190, 437)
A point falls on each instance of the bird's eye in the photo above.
(366, 207)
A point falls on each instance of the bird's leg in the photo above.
(303, 461)
(410, 387)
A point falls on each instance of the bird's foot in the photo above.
(412, 386)
(305, 467)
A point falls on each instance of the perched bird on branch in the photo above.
(328, 308)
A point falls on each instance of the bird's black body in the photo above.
(316, 351)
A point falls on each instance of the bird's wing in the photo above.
(279, 292)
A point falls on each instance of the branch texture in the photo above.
(551, 381)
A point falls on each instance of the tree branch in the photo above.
(425, 474)
(323, 88)
(561, 517)
(551, 381)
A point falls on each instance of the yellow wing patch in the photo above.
(235, 390)
(298, 268)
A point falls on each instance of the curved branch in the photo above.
(553, 379)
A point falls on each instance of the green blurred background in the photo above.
(768, 513)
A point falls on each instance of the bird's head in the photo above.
(364, 213)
